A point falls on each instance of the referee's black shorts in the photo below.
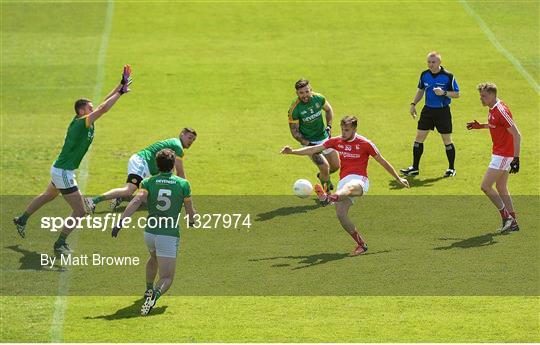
(439, 118)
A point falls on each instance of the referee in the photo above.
(440, 87)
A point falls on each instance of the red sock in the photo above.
(357, 238)
(504, 212)
(513, 214)
(333, 197)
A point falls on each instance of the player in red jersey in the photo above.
(354, 152)
(505, 158)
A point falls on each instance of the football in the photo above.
(302, 188)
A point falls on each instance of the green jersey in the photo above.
(149, 153)
(79, 136)
(166, 194)
(309, 117)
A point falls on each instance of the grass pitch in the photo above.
(227, 69)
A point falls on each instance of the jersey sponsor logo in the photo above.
(349, 155)
(303, 112)
(166, 181)
(312, 117)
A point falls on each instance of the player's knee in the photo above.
(485, 187)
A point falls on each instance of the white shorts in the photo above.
(364, 182)
(500, 162)
(164, 246)
(138, 166)
(63, 179)
(325, 151)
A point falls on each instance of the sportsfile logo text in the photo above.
(198, 221)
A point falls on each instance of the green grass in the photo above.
(227, 69)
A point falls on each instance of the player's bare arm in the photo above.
(329, 114)
(190, 210)
(476, 125)
(179, 167)
(295, 132)
(388, 167)
(517, 139)
(113, 96)
(416, 99)
(131, 208)
(305, 151)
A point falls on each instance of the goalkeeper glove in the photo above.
(514, 166)
(126, 79)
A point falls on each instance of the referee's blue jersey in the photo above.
(443, 79)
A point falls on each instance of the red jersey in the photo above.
(499, 119)
(353, 154)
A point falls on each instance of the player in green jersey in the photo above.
(164, 194)
(143, 164)
(307, 127)
(79, 136)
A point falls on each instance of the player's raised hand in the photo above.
(126, 79)
(287, 150)
(404, 182)
(514, 166)
(413, 110)
(473, 125)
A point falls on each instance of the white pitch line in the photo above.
(493, 39)
(60, 304)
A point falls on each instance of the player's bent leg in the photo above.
(324, 169)
(350, 189)
(48, 195)
(75, 201)
(333, 161)
(167, 266)
(118, 194)
(151, 272)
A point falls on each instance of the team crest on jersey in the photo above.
(317, 105)
(357, 147)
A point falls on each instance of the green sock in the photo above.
(325, 184)
(98, 199)
(157, 293)
(149, 286)
(23, 218)
(61, 240)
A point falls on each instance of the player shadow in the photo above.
(285, 211)
(471, 242)
(31, 260)
(305, 261)
(129, 312)
(415, 182)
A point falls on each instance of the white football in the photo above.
(302, 188)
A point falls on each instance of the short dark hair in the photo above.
(488, 87)
(165, 160)
(188, 130)
(301, 83)
(81, 103)
(349, 120)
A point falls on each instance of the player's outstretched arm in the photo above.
(476, 125)
(295, 132)
(305, 151)
(130, 209)
(380, 159)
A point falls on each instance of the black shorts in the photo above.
(439, 118)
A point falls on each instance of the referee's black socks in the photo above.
(418, 149)
(451, 155)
